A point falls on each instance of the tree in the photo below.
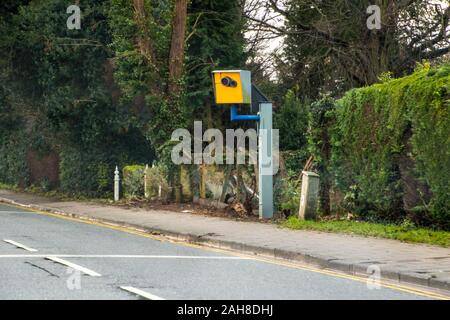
(328, 46)
(149, 64)
(215, 41)
(176, 58)
(292, 121)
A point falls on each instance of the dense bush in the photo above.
(133, 181)
(85, 173)
(13, 167)
(321, 118)
(287, 193)
(156, 179)
(391, 148)
(57, 97)
(292, 121)
(89, 170)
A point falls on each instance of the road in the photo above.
(48, 257)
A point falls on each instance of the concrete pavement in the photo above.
(406, 263)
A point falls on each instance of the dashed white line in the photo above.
(74, 266)
(19, 245)
(142, 293)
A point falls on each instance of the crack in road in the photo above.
(42, 268)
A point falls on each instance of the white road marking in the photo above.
(142, 293)
(120, 256)
(19, 245)
(74, 266)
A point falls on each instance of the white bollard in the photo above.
(116, 185)
(146, 195)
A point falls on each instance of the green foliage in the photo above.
(404, 232)
(8, 186)
(292, 121)
(56, 91)
(428, 103)
(387, 133)
(13, 167)
(141, 48)
(287, 194)
(328, 47)
(97, 96)
(216, 41)
(321, 118)
(156, 178)
(294, 160)
(13, 143)
(83, 173)
(90, 171)
(136, 70)
(104, 181)
(133, 181)
(213, 39)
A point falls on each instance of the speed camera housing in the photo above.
(232, 86)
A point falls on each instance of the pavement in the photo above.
(424, 266)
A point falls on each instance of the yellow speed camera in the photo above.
(232, 87)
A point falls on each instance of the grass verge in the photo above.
(8, 186)
(397, 232)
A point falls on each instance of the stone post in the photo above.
(309, 195)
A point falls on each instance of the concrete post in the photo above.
(116, 184)
(310, 191)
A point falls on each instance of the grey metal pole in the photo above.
(265, 162)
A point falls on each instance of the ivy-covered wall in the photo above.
(93, 98)
(57, 99)
(391, 148)
(13, 166)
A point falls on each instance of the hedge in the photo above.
(13, 166)
(391, 148)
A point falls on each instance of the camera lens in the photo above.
(228, 82)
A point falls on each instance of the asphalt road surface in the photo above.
(46, 257)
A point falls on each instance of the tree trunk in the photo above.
(176, 58)
(144, 43)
